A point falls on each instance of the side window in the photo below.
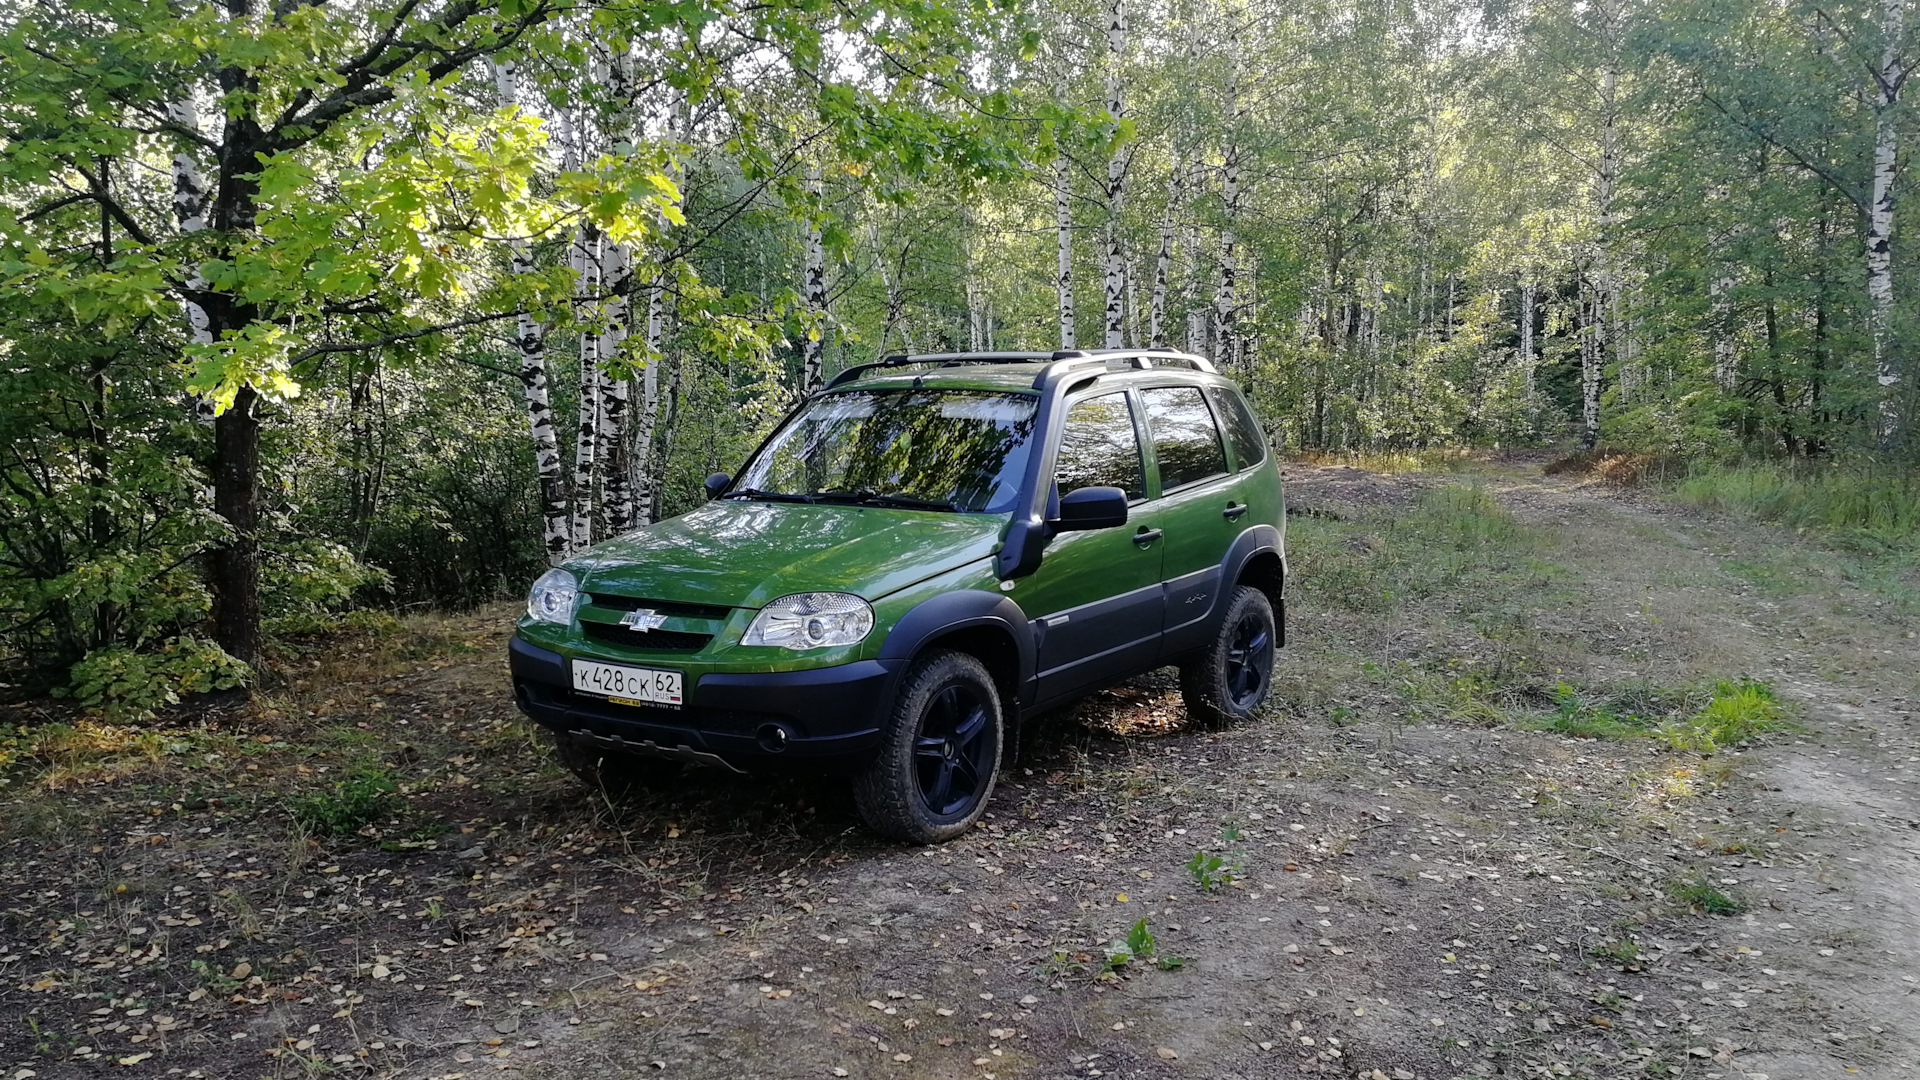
(1098, 447)
(1249, 444)
(1184, 438)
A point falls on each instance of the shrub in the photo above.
(124, 683)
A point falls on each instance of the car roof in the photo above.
(1023, 373)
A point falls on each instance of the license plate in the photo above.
(627, 685)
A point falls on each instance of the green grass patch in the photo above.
(353, 803)
(1727, 713)
(1697, 894)
(1456, 539)
(1735, 711)
(1874, 508)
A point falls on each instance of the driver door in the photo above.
(1096, 601)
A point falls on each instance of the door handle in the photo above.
(1146, 536)
(1233, 511)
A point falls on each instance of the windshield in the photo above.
(915, 449)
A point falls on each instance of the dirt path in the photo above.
(1413, 883)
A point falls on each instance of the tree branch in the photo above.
(97, 191)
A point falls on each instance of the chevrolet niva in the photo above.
(928, 551)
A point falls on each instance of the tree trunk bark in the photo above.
(1601, 306)
(1116, 276)
(1063, 243)
(1888, 79)
(976, 308)
(1225, 312)
(584, 257)
(531, 339)
(1526, 336)
(813, 349)
(190, 200)
(1163, 258)
(235, 564)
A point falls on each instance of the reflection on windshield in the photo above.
(913, 449)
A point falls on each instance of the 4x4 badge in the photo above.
(643, 620)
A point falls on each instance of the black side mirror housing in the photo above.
(717, 483)
(1091, 508)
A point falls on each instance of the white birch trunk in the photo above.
(1888, 79)
(646, 489)
(976, 308)
(813, 349)
(584, 257)
(1063, 231)
(616, 285)
(1526, 336)
(190, 200)
(1197, 315)
(531, 339)
(1163, 259)
(1601, 306)
(1116, 266)
(1225, 312)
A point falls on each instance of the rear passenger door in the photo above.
(1096, 599)
(1198, 506)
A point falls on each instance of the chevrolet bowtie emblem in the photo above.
(643, 620)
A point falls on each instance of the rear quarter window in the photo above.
(1243, 431)
(1184, 437)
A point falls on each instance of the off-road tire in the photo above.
(611, 771)
(1204, 679)
(890, 793)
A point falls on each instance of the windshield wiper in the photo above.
(908, 502)
(769, 496)
(860, 496)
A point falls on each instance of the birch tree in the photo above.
(1226, 295)
(530, 339)
(1889, 78)
(814, 281)
(1116, 265)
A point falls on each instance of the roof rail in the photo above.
(1058, 363)
(1117, 360)
(950, 360)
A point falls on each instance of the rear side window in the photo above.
(1249, 444)
(1184, 437)
(1098, 447)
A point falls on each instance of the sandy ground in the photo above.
(1414, 883)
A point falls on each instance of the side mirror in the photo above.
(717, 483)
(1091, 508)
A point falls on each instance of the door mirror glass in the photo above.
(1098, 507)
(717, 483)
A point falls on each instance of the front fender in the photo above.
(963, 609)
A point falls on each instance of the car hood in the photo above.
(741, 553)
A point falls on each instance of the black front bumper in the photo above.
(736, 721)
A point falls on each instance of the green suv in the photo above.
(927, 552)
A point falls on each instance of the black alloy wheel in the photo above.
(953, 749)
(1250, 659)
(939, 752)
(1230, 680)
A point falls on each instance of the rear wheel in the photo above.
(610, 770)
(939, 753)
(1229, 682)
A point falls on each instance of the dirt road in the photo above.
(1421, 874)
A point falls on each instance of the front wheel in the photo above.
(1229, 682)
(939, 754)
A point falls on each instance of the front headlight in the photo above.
(552, 597)
(813, 620)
